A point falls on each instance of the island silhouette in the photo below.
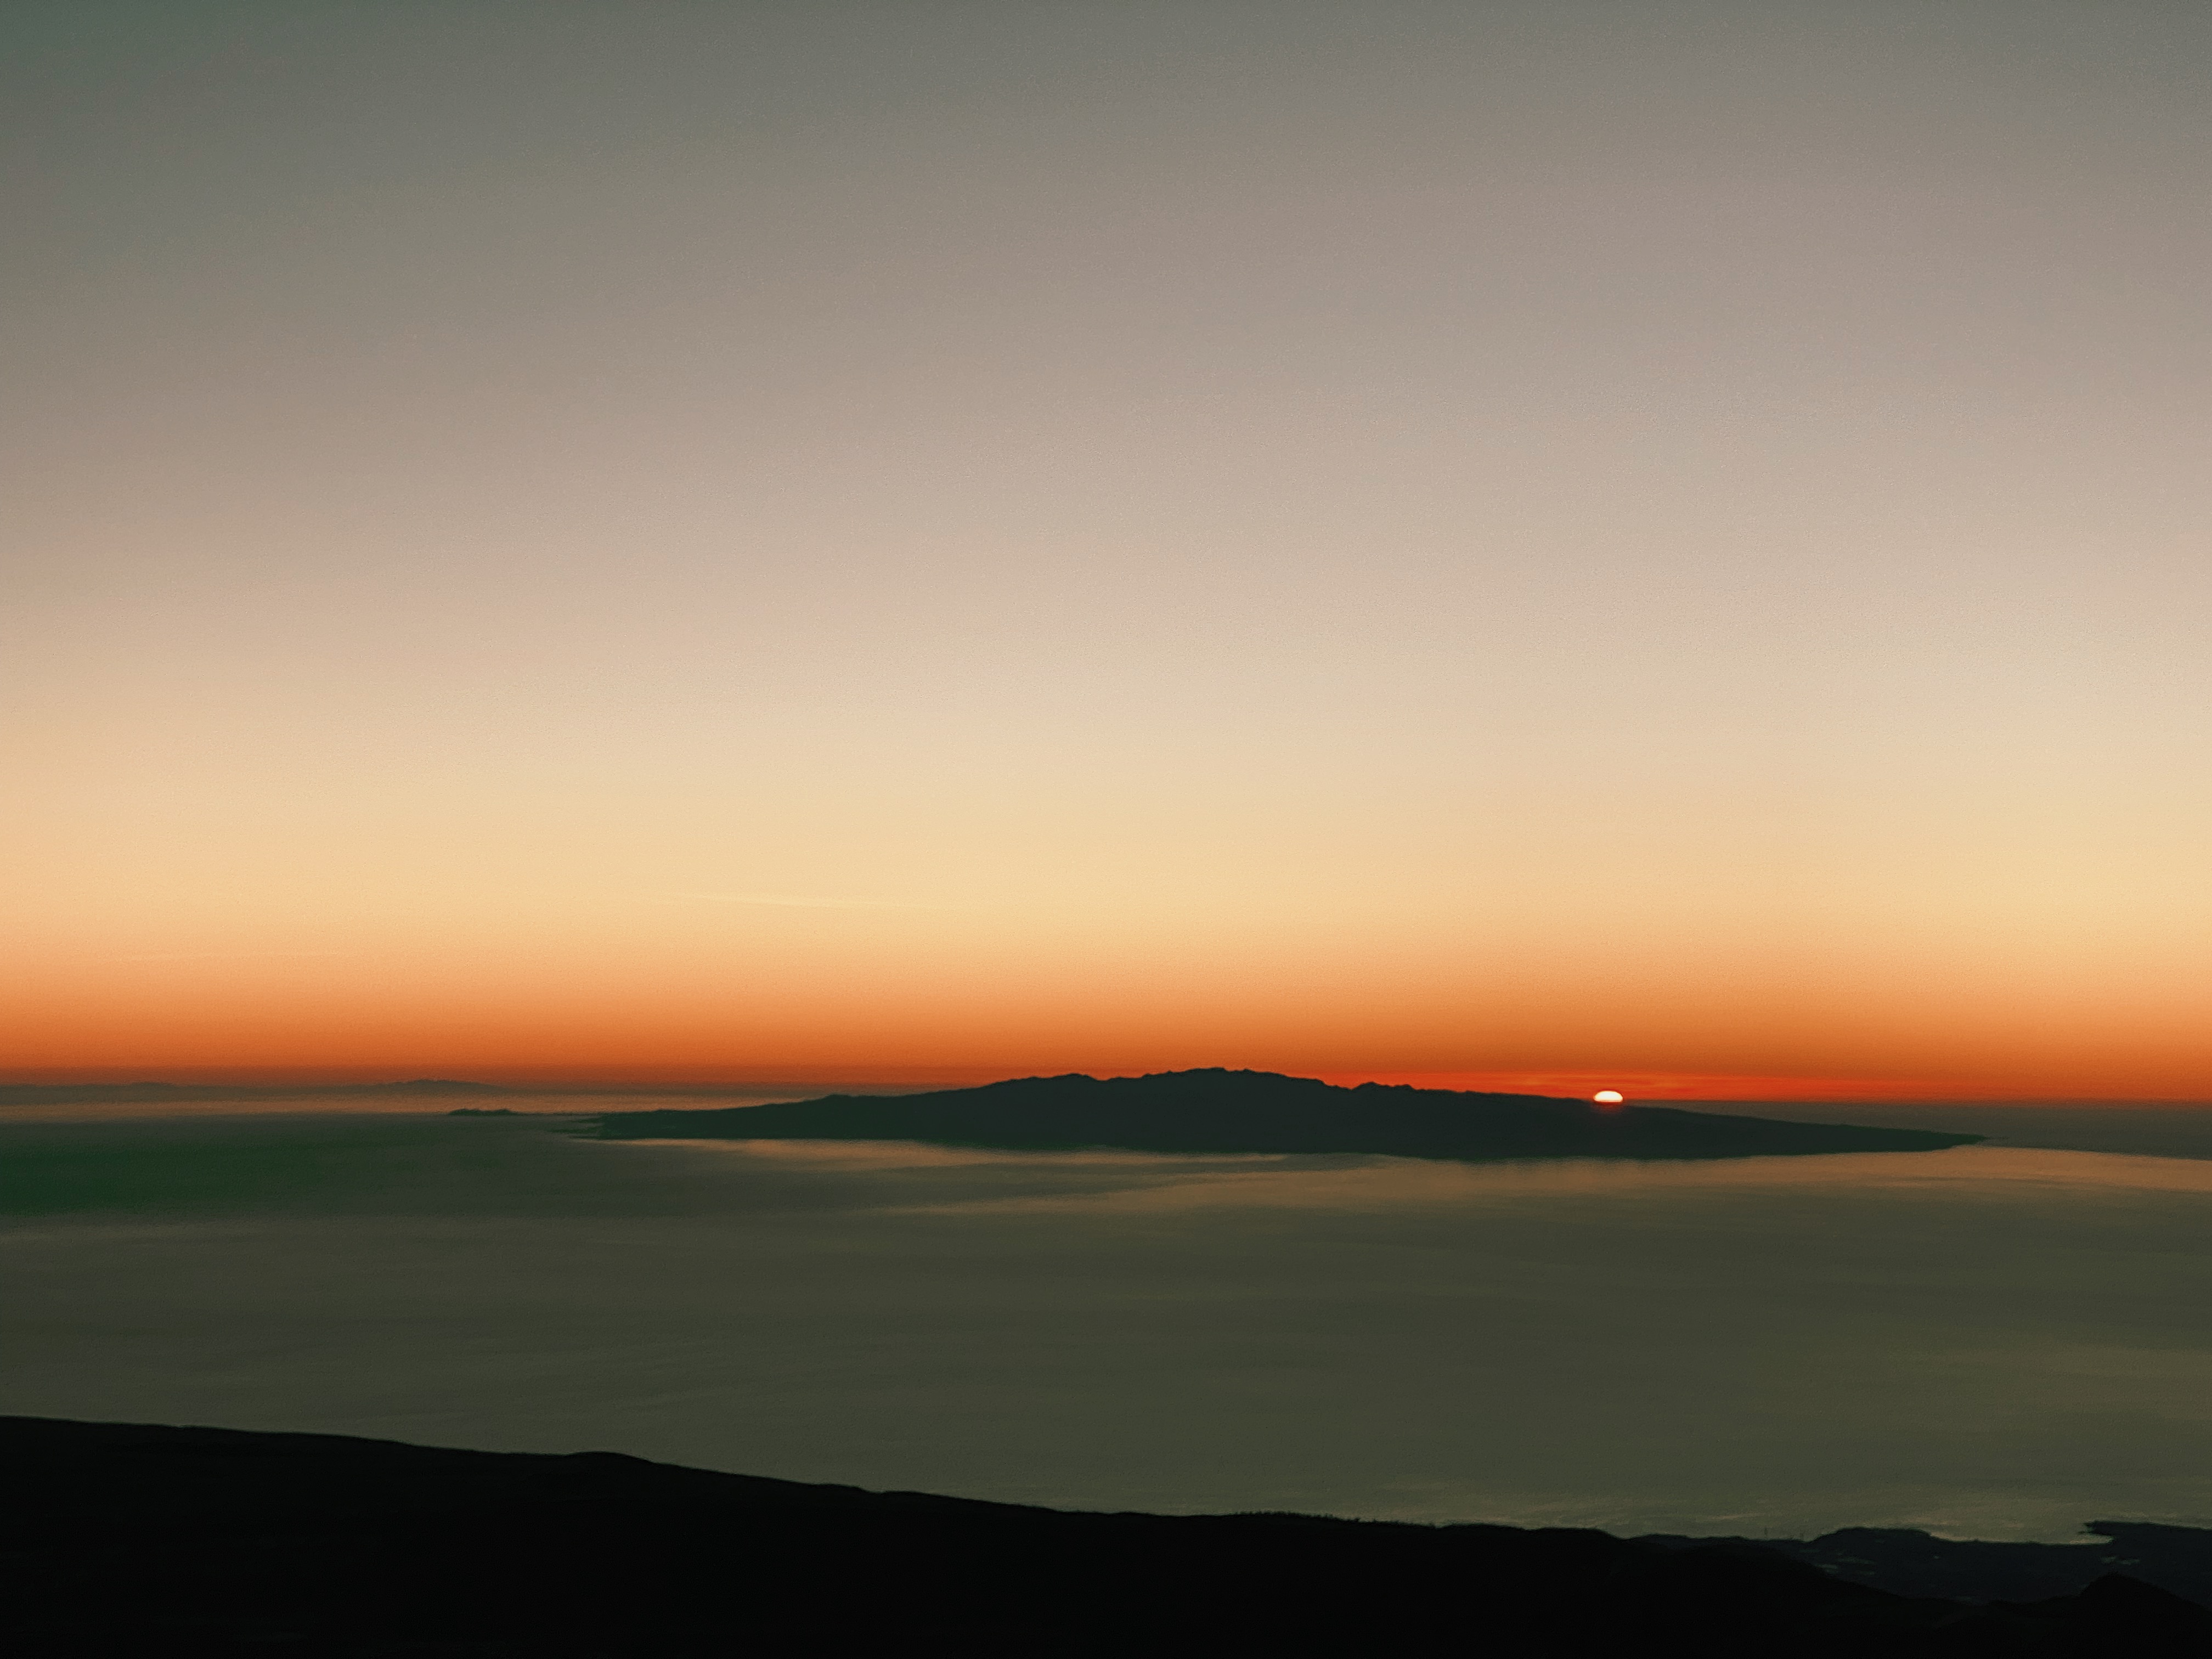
(1213, 1110)
(153, 1093)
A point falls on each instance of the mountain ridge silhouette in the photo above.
(1216, 1111)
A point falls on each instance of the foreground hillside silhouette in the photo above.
(1222, 1111)
(128, 1540)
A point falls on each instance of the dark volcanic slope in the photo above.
(1220, 1111)
(121, 1539)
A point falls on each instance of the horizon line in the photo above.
(357, 1080)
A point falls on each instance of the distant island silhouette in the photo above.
(141, 1540)
(153, 1093)
(1218, 1111)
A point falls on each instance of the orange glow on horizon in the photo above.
(811, 1075)
(390, 964)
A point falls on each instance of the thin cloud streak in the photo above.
(234, 956)
(793, 902)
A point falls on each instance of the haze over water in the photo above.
(1991, 1341)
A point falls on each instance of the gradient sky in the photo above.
(1660, 545)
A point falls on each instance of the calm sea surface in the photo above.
(1995, 1341)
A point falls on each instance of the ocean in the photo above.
(1995, 1341)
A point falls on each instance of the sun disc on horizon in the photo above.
(1607, 1096)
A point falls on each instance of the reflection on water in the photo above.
(1991, 1341)
(1104, 1181)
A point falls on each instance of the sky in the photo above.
(1658, 546)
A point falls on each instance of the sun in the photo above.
(1607, 1096)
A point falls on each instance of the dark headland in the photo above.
(1222, 1111)
(123, 1540)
